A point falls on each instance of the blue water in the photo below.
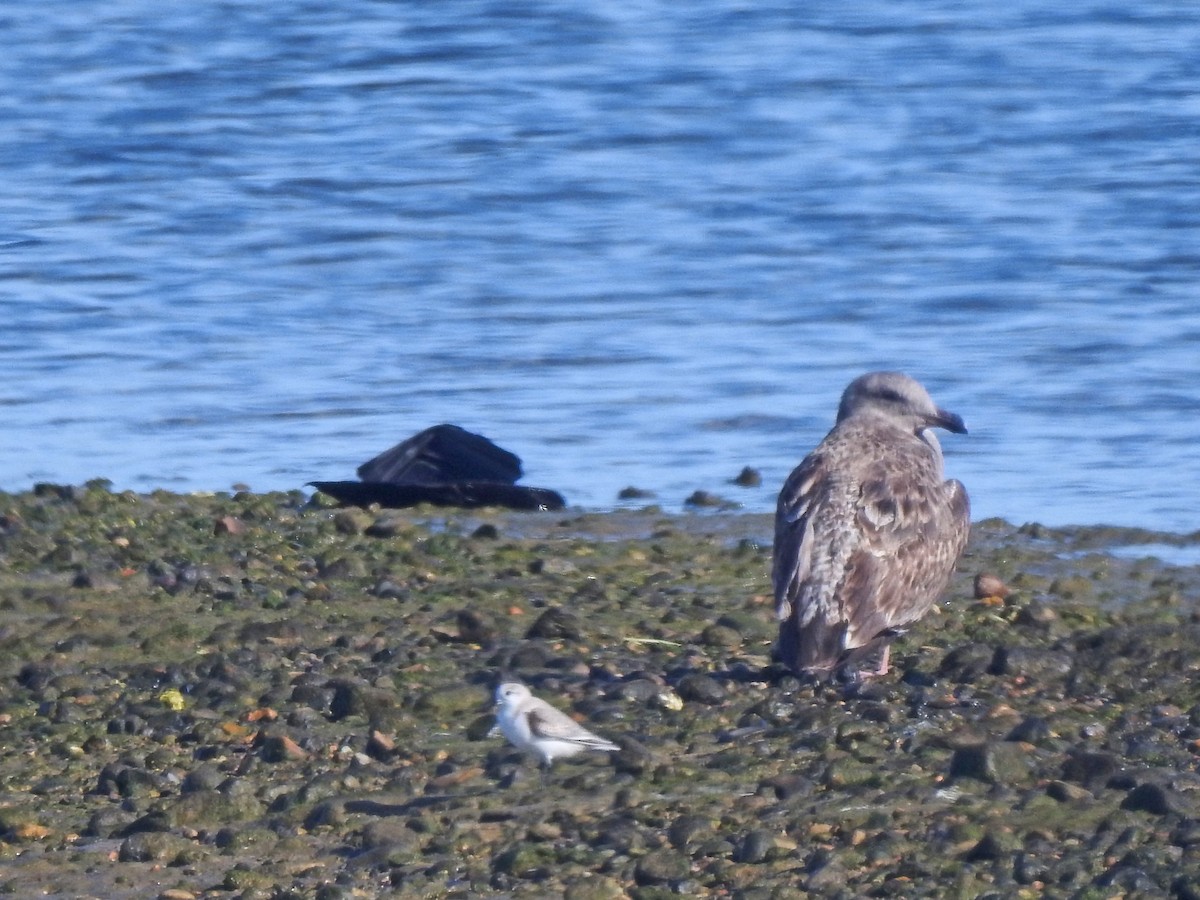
(638, 244)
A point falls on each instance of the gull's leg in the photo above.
(884, 661)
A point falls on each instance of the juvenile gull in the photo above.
(867, 533)
(536, 727)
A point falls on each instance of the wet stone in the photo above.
(698, 688)
(204, 777)
(1030, 730)
(595, 887)
(790, 785)
(688, 830)
(1088, 768)
(662, 867)
(1036, 615)
(755, 846)
(967, 663)
(351, 521)
(638, 690)
(151, 847)
(277, 748)
(1157, 799)
(1187, 834)
(154, 821)
(556, 623)
(526, 656)
(315, 696)
(990, 847)
(1032, 663)
(825, 874)
(748, 477)
(351, 698)
(475, 627)
(633, 758)
(1066, 792)
(108, 822)
(532, 861)
(384, 527)
(994, 762)
(721, 636)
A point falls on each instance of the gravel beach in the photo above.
(264, 696)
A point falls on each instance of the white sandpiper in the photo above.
(537, 728)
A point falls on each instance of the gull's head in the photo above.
(509, 694)
(899, 399)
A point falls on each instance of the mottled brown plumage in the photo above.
(867, 532)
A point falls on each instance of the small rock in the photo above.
(748, 477)
(204, 777)
(635, 493)
(1032, 663)
(721, 636)
(526, 860)
(967, 663)
(755, 846)
(826, 875)
(351, 698)
(662, 866)
(228, 525)
(790, 785)
(595, 887)
(1150, 797)
(383, 527)
(151, 847)
(990, 847)
(107, 822)
(380, 746)
(633, 758)
(1072, 587)
(480, 728)
(697, 688)
(705, 499)
(988, 586)
(995, 762)
(1087, 767)
(636, 690)
(277, 748)
(1065, 792)
(688, 829)
(1030, 730)
(328, 812)
(476, 628)
(1036, 614)
(555, 624)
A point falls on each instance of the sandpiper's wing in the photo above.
(547, 722)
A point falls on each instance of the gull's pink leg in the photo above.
(884, 660)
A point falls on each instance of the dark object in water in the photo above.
(444, 465)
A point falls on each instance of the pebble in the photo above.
(699, 688)
(662, 867)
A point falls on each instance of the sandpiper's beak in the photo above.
(948, 420)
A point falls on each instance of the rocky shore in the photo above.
(262, 696)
